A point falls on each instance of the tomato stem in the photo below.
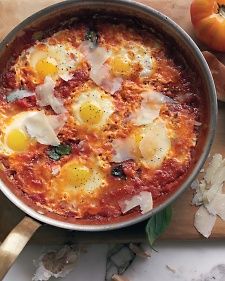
(221, 10)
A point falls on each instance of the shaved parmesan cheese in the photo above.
(18, 95)
(95, 55)
(217, 206)
(102, 77)
(112, 85)
(200, 189)
(215, 164)
(204, 221)
(197, 123)
(195, 184)
(39, 127)
(124, 149)
(45, 96)
(212, 182)
(149, 109)
(144, 200)
(100, 73)
(156, 97)
(209, 195)
(56, 122)
(144, 115)
(66, 76)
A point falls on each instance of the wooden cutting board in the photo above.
(14, 11)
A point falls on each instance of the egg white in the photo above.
(63, 56)
(60, 183)
(145, 59)
(135, 54)
(148, 145)
(35, 125)
(15, 122)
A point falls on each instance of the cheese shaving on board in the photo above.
(204, 221)
(217, 206)
(209, 195)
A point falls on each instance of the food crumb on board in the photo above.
(217, 273)
(56, 263)
(116, 277)
(139, 251)
(170, 268)
(119, 259)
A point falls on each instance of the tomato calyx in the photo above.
(221, 10)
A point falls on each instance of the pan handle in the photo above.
(15, 242)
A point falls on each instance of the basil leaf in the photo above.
(157, 224)
(53, 155)
(92, 36)
(56, 152)
(63, 149)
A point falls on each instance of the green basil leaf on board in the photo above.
(92, 36)
(56, 152)
(157, 224)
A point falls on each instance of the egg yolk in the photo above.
(138, 138)
(90, 113)
(46, 68)
(121, 66)
(17, 140)
(76, 174)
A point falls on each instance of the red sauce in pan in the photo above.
(44, 182)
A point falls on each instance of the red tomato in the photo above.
(27, 102)
(208, 18)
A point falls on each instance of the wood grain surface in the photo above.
(11, 13)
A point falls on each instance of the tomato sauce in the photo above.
(30, 173)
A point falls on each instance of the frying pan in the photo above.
(20, 235)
